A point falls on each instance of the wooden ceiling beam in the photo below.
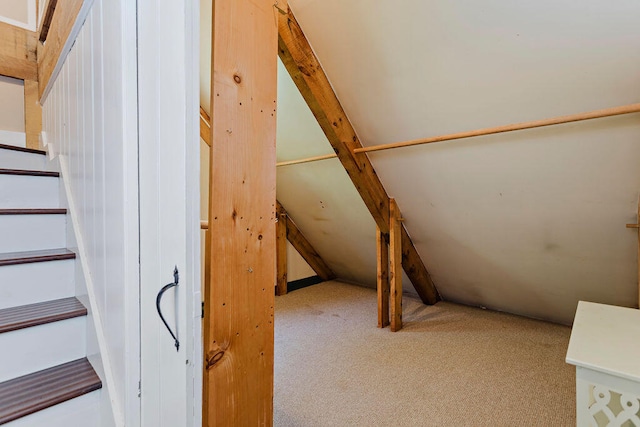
(18, 52)
(307, 73)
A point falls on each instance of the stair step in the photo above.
(22, 149)
(39, 211)
(27, 257)
(26, 316)
(31, 393)
(28, 172)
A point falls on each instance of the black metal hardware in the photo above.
(159, 298)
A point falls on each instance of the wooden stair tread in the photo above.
(24, 150)
(26, 257)
(33, 211)
(31, 393)
(26, 316)
(28, 172)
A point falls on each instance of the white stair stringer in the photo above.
(107, 376)
(41, 347)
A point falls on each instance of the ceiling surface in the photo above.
(527, 222)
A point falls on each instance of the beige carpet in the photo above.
(450, 366)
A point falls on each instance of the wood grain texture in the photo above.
(28, 172)
(307, 73)
(46, 20)
(31, 393)
(305, 249)
(64, 17)
(205, 127)
(32, 114)
(382, 251)
(26, 316)
(39, 211)
(281, 251)
(395, 269)
(239, 295)
(18, 52)
(27, 257)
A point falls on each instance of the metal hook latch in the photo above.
(159, 298)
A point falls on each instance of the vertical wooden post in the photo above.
(239, 296)
(32, 114)
(383, 278)
(281, 252)
(395, 265)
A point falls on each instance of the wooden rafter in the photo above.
(18, 52)
(307, 73)
(305, 249)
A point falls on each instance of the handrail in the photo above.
(608, 112)
(46, 20)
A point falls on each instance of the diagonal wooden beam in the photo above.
(304, 248)
(307, 73)
(205, 127)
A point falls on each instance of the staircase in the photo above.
(45, 377)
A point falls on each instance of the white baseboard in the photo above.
(17, 139)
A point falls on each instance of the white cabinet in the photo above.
(605, 348)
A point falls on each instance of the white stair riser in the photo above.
(17, 139)
(32, 232)
(40, 347)
(24, 191)
(10, 159)
(23, 284)
(83, 411)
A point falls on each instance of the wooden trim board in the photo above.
(18, 52)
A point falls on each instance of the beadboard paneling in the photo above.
(89, 120)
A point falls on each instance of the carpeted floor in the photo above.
(451, 365)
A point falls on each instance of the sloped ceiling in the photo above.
(527, 222)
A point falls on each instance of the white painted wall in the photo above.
(90, 120)
(21, 13)
(11, 108)
(526, 222)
